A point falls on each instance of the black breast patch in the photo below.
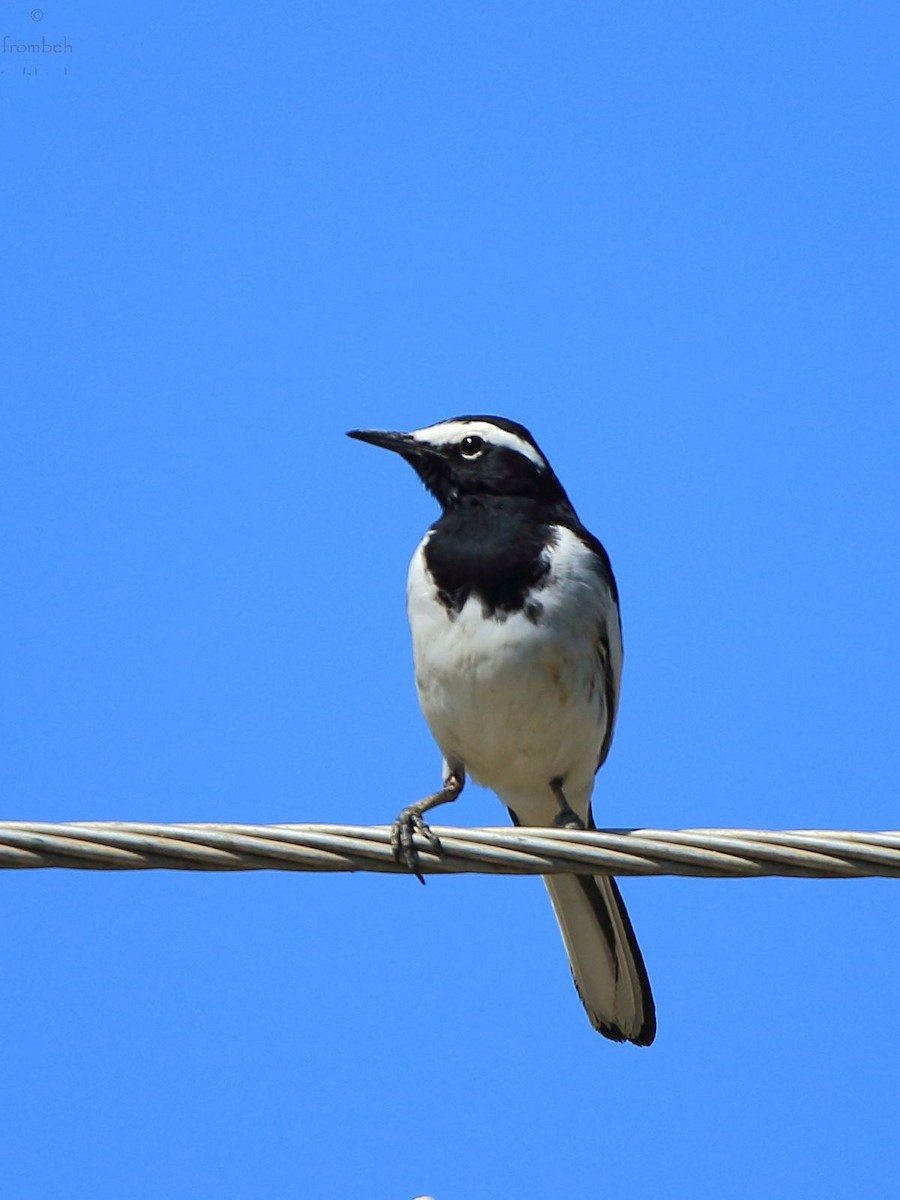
(491, 547)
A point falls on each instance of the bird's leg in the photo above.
(566, 818)
(411, 822)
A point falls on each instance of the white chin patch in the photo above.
(448, 432)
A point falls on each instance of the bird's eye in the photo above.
(471, 447)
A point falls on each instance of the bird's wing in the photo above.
(608, 645)
(610, 667)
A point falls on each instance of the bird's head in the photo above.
(471, 456)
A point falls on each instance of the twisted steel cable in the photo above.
(715, 853)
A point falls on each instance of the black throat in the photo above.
(490, 547)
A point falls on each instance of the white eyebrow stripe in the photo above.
(453, 431)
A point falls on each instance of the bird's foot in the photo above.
(567, 818)
(412, 821)
(403, 834)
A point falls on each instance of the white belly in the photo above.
(515, 702)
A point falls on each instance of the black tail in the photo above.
(605, 958)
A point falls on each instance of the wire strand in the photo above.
(712, 853)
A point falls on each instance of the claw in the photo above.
(566, 818)
(411, 822)
(403, 831)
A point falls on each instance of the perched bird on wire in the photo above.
(517, 642)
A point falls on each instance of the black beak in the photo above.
(428, 462)
(400, 443)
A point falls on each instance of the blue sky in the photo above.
(664, 237)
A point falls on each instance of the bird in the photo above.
(517, 646)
